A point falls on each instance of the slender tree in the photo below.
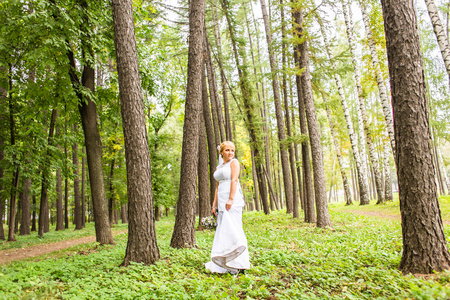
(287, 179)
(323, 216)
(76, 183)
(424, 243)
(141, 245)
(184, 229)
(43, 210)
(204, 203)
(310, 216)
(361, 102)
(25, 223)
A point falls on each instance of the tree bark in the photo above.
(387, 172)
(310, 215)
(323, 216)
(287, 179)
(210, 139)
(141, 245)
(76, 184)
(43, 211)
(184, 229)
(111, 193)
(362, 106)
(59, 202)
(3, 103)
(424, 243)
(25, 223)
(203, 180)
(83, 189)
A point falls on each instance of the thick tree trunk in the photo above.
(124, 213)
(382, 91)
(362, 180)
(210, 139)
(323, 216)
(141, 245)
(424, 243)
(347, 194)
(362, 106)
(310, 215)
(43, 211)
(184, 229)
(203, 180)
(287, 179)
(76, 184)
(440, 34)
(25, 223)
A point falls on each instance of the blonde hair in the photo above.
(224, 144)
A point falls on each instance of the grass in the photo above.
(391, 208)
(357, 259)
(53, 236)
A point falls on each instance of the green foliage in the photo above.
(357, 259)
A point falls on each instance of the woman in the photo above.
(229, 253)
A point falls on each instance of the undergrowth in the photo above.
(357, 259)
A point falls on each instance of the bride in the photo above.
(229, 253)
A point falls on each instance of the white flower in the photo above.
(209, 222)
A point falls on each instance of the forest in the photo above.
(111, 114)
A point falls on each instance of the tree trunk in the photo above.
(347, 194)
(124, 213)
(203, 180)
(83, 189)
(43, 211)
(251, 116)
(263, 115)
(66, 179)
(111, 193)
(440, 34)
(362, 180)
(141, 245)
(184, 229)
(310, 215)
(25, 224)
(292, 164)
(362, 106)
(387, 172)
(3, 95)
(255, 182)
(213, 90)
(210, 138)
(76, 184)
(424, 243)
(59, 202)
(382, 91)
(323, 216)
(287, 179)
(222, 77)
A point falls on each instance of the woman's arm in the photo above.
(234, 181)
(214, 208)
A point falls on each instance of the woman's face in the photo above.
(227, 153)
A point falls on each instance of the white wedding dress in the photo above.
(229, 253)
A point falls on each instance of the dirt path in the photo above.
(9, 255)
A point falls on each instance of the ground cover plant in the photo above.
(357, 259)
(54, 236)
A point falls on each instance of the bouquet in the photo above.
(209, 222)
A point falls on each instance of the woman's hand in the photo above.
(214, 211)
(229, 204)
